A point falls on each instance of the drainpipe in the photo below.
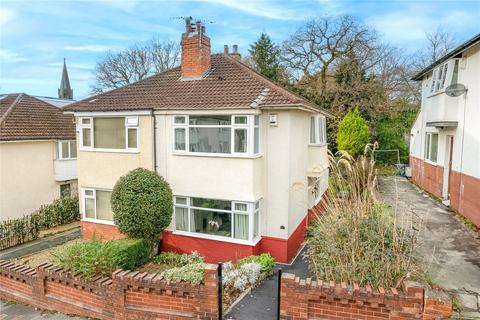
(463, 143)
(154, 124)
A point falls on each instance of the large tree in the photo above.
(314, 49)
(118, 69)
(266, 57)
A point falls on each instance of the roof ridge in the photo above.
(114, 89)
(10, 108)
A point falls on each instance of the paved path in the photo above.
(16, 311)
(451, 250)
(31, 247)
(261, 303)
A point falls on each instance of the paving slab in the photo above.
(17, 311)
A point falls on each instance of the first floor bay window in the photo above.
(96, 205)
(217, 218)
(318, 129)
(217, 134)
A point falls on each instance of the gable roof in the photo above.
(461, 48)
(23, 117)
(229, 84)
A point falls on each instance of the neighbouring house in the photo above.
(445, 138)
(37, 152)
(245, 158)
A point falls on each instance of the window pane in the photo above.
(211, 203)
(64, 150)
(312, 130)
(85, 121)
(86, 137)
(241, 207)
(104, 210)
(181, 218)
(132, 138)
(73, 149)
(211, 222)
(181, 200)
(89, 192)
(65, 190)
(180, 138)
(240, 140)
(434, 148)
(179, 120)
(212, 140)
(241, 120)
(427, 146)
(212, 120)
(89, 208)
(256, 223)
(455, 73)
(256, 140)
(257, 120)
(444, 75)
(240, 226)
(109, 133)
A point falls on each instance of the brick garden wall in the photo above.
(306, 299)
(127, 295)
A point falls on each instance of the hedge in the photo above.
(16, 231)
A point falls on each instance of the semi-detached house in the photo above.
(246, 159)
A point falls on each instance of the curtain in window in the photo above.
(240, 226)
(104, 210)
(73, 148)
(86, 137)
(109, 133)
(180, 138)
(256, 222)
(132, 137)
(181, 218)
(240, 137)
(90, 208)
(213, 140)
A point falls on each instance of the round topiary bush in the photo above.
(142, 204)
(353, 133)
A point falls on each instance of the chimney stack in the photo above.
(195, 50)
(225, 49)
(235, 54)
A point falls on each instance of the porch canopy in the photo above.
(443, 124)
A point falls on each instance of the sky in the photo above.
(36, 35)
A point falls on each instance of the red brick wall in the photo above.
(127, 295)
(428, 176)
(307, 299)
(464, 189)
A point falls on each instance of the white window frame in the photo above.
(442, 77)
(94, 197)
(131, 122)
(428, 147)
(251, 210)
(249, 127)
(320, 125)
(60, 150)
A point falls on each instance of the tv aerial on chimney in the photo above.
(204, 21)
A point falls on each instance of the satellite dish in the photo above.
(455, 90)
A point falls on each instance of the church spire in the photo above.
(65, 91)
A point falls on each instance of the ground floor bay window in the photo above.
(217, 219)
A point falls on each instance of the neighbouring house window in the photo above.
(318, 130)
(230, 219)
(444, 75)
(66, 149)
(117, 133)
(431, 146)
(221, 134)
(65, 190)
(96, 204)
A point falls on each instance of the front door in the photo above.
(447, 168)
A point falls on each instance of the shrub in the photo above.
(241, 276)
(94, 258)
(61, 211)
(128, 253)
(193, 273)
(91, 258)
(178, 260)
(265, 260)
(353, 133)
(142, 204)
